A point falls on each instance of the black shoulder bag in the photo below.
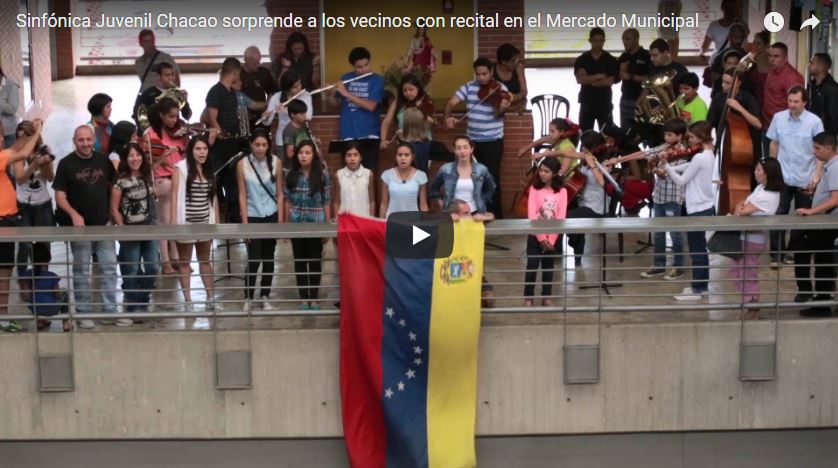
(140, 92)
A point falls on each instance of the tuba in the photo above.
(174, 93)
(658, 107)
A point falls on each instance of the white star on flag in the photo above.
(412, 336)
(402, 322)
(417, 361)
(410, 374)
(401, 386)
(388, 393)
(389, 312)
(417, 350)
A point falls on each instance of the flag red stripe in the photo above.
(361, 271)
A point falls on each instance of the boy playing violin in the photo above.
(486, 102)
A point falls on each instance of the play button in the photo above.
(419, 235)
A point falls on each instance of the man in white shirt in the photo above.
(791, 133)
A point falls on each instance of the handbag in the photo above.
(726, 243)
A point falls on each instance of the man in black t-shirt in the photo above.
(257, 83)
(634, 67)
(223, 114)
(82, 184)
(662, 62)
(596, 70)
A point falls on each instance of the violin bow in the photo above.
(468, 111)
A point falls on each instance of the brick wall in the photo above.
(304, 8)
(517, 131)
(518, 128)
(65, 60)
(488, 40)
(12, 64)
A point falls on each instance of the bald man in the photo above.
(257, 83)
(82, 186)
(9, 216)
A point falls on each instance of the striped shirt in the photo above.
(482, 123)
(198, 203)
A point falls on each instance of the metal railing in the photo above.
(608, 284)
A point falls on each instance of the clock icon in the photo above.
(774, 21)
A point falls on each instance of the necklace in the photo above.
(404, 177)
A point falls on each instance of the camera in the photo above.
(45, 151)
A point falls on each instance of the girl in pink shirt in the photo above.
(547, 200)
(165, 123)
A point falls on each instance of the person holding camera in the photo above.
(9, 216)
(33, 199)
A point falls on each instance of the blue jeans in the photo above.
(661, 210)
(106, 256)
(697, 242)
(139, 263)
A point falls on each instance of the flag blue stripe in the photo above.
(407, 293)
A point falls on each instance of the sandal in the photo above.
(67, 325)
(167, 269)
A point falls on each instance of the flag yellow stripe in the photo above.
(452, 367)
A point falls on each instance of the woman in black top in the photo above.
(298, 57)
(509, 70)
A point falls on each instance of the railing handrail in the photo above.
(494, 228)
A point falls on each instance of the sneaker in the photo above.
(802, 297)
(188, 308)
(210, 305)
(673, 274)
(314, 306)
(688, 295)
(266, 304)
(107, 322)
(86, 324)
(245, 306)
(11, 327)
(652, 272)
(303, 306)
(124, 322)
(816, 312)
(788, 260)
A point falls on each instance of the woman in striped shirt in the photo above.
(307, 200)
(194, 186)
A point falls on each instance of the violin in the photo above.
(154, 146)
(674, 155)
(492, 93)
(424, 104)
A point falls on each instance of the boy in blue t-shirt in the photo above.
(359, 107)
(39, 288)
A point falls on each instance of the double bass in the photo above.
(736, 150)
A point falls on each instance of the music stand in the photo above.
(227, 243)
(603, 261)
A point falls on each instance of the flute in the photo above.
(269, 119)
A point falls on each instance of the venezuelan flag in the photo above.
(408, 349)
